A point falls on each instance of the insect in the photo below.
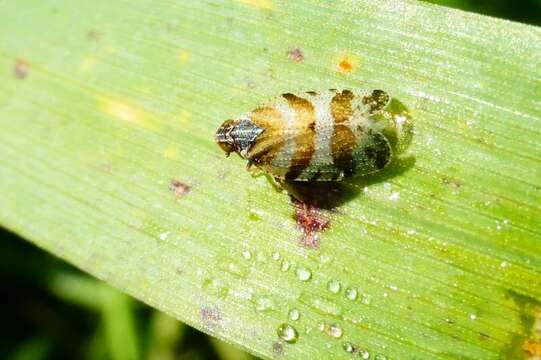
(319, 136)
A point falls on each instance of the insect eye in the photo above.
(227, 147)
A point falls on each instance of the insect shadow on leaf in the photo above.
(331, 195)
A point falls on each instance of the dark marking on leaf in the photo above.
(277, 348)
(179, 188)
(93, 35)
(295, 55)
(451, 182)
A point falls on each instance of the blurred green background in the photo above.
(54, 311)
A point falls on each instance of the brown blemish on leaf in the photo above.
(93, 35)
(532, 346)
(526, 345)
(179, 188)
(295, 55)
(311, 221)
(277, 348)
(106, 168)
(21, 69)
(211, 316)
(454, 184)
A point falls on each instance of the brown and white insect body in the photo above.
(323, 136)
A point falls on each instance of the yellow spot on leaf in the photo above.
(171, 152)
(122, 110)
(264, 4)
(87, 64)
(184, 56)
(184, 117)
(346, 63)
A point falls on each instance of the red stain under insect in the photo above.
(310, 220)
(295, 55)
(179, 188)
(21, 69)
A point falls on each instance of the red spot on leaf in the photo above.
(295, 55)
(311, 221)
(179, 188)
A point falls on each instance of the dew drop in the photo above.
(334, 286)
(324, 306)
(303, 274)
(276, 256)
(246, 254)
(264, 304)
(285, 266)
(364, 354)
(473, 316)
(351, 293)
(348, 347)
(287, 333)
(215, 288)
(294, 314)
(380, 357)
(334, 331)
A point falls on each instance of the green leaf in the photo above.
(107, 115)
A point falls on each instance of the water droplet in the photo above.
(504, 264)
(348, 347)
(276, 256)
(233, 268)
(304, 274)
(334, 286)
(364, 354)
(261, 257)
(393, 287)
(164, 235)
(255, 215)
(215, 288)
(287, 333)
(323, 306)
(324, 259)
(285, 266)
(246, 254)
(473, 316)
(264, 304)
(367, 299)
(380, 357)
(394, 196)
(294, 314)
(334, 331)
(351, 293)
